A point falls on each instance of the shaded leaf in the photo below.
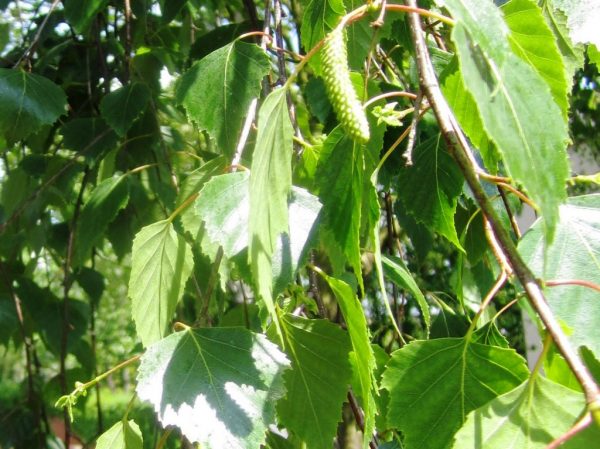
(511, 95)
(270, 184)
(429, 189)
(340, 179)
(217, 385)
(91, 137)
(27, 102)
(123, 435)
(120, 108)
(528, 417)
(320, 17)
(80, 14)
(531, 40)
(361, 346)
(399, 274)
(317, 382)
(161, 263)
(217, 90)
(106, 200)
(434, 384)
(574, 254)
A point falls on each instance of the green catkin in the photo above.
(339, 87)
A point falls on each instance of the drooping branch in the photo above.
(460, 150)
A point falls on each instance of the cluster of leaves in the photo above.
(279, 268)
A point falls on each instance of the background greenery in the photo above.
(115, 114)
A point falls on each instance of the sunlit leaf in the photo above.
(532, 40)
(583, 17)
(161, 263)
(123, 435)
(27, 101)
(217, 90)
(528, 417)
(434, 384)
(217, 385)
(270, 184)
(509, 95)
(573, 255)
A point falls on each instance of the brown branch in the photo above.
(511, 216)
(460, 150)
(580, 282)
(580, 425)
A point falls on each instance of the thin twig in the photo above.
(511, 216)
(459, 148)
(38, 34)
(580, 282)
(412, 135)
(580, 425)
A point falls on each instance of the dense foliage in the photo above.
(291, 224)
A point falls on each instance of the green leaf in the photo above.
(399, 274)
(292, 250)
(270, 184)
(80, 14)
(531, 40)
(574, 254)
(465, 109)
(106, 200)
(320, 17)
(27, 102)
(594, 55)
(217, 385)
(528, 417)
(360, 36)
(123, 435)
(361, 346)
(429, 189)
(317, 382)
(572, 54)
(8, 320)
(121, 107)
(511, 94)
(582, 20)
(191, 185)
(217, 91)
(91, 137)
(223, 205)
(434, 384)
(161, 263)
(340, 178)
